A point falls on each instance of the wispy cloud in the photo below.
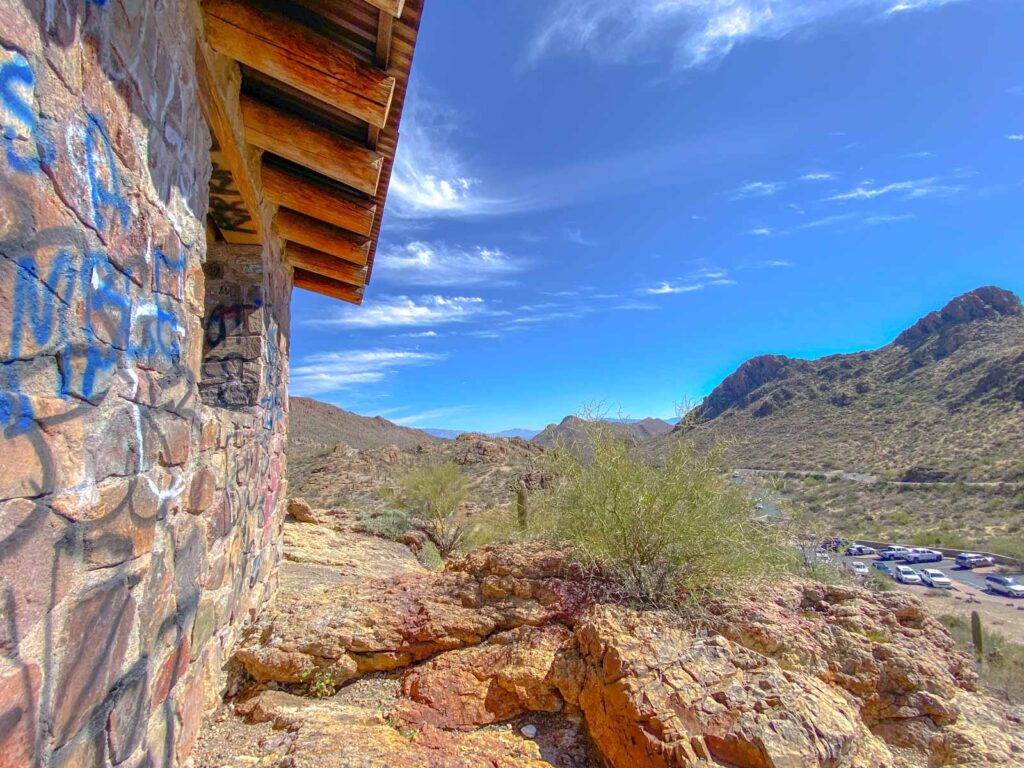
(430, 179)
(693, 32)
(761, 232)
(757, 189)
(434, 413)
(856, 219)
(817, 176)
(400, 311)
(332, 371)
(575, 235)
(440, 264)
(665, 289)
(917, 188)
(1015, 136)
(771, 264)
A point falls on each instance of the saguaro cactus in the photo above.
(977, 636)
(522, 513)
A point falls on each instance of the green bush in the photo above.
(429, 557)
(392, 524)
(662, 530)
(432, 495)
(1002, 667)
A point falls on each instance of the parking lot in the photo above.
(973, 578)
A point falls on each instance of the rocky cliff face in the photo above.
(508, 657)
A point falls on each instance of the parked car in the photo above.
(918, 555)
(883, 567)
(935, 578)
(861, 569)
(1004, 585)
(893, 553)
(973, 560)
(907, 575)
(860, 550)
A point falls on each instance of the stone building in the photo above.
(169, 171)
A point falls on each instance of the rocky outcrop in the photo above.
(986, 303)
(510, 642)
(737, 390)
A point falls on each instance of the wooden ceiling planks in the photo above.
(323, 86)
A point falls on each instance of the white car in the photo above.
(859, 550)
(907, 575)
(1004, 585)
(858, 567)
(935, 578)
(894, 552)
(918, 555)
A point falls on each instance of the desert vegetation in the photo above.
(1000, 662)
(432, 495)
(662, 529)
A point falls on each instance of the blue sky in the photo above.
(601, 201)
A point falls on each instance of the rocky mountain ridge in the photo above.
(572, 429)
(944, 400)
(317, 426)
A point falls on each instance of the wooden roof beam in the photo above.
(337, 242)
(392, 7)
(310, 281)
(325, 265)
(311, 146)
(297, 55)
(318, 200)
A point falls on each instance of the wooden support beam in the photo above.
(325, 265)
(337, 242)
(311, 146)
(392, 7)
(311, 281)
(219, 82)
(318, 200)
(299, 56)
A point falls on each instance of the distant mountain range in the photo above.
(451, 434)
(572, 429)
(944, 400)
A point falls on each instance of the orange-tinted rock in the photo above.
(513, 672)
(19, 699)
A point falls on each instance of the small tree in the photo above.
(432, 494)
(662, 529)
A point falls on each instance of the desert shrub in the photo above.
(391, 524)
(1010, 546)
(942, 539)
(429, 557)
(432, 494)
(495, 525)
(1002, 668)
(878, 581)
(660, 530)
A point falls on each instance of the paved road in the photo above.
(867, 479)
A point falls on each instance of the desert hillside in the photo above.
(315, 426)
(571, 430)
(943, 401)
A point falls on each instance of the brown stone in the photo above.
(301, 511)
(19, 700)
(202, 490)
(170, 671)
(126, 723)
(189, 715)
(96, 638)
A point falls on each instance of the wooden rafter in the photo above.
(318, 200)
(391, 7)
(311, 146)
(336, 242)
(311, 281)
(299, 56)
(325, 264)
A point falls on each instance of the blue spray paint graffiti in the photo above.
(119, 323)
(18, 113)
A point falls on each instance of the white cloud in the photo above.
(918, 188)
(757, 189)
(575, 235)
(775, 264)
(430, 178)
(817, 176)
(665, 289)
(399, 311)
(422, 263)
(856, 220)
(1015, 136)
(761, 232)
(435, 413)
(695, 32)
(332, 371)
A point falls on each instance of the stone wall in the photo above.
(139, 520)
